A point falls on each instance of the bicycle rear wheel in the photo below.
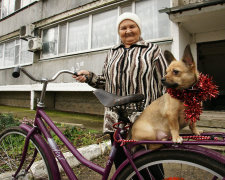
(11, 148)
(177, 164)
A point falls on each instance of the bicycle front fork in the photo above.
(25, 153)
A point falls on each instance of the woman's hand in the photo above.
(81, 75)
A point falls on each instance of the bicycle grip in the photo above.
(75, 73)
(16, 72)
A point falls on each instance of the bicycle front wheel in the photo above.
(175, 164)
(12, 142)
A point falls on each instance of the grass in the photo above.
(67, 122)
(14, 145)
(76, 135)
(81, 136)
(7, 120)
(88, 121)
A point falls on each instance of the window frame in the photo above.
(14, 7)
(90, 26)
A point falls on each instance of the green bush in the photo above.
(81, 137)
(7, 120)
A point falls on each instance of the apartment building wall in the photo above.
(49, 16)
(77, 35)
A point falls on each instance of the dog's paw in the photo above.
(197, 132)
(177, 139)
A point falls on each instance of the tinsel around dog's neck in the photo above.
(203, 90)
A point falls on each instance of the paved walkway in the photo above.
(212, 120)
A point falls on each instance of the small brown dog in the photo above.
(164, 117)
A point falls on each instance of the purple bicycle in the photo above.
(24, 148)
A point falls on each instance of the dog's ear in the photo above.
(169, 56)
(187, 57)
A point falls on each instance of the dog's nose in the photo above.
(163, 79)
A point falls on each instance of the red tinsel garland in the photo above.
(203, 90)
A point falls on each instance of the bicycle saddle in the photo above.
(111, 100)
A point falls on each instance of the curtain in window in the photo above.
(50, 42)
(26, 56)
(126, 8)
(11, 6)
(4, 9)
(9, 53)
(154, 24)
(17, 52)
(1, 56)
(62, 38)
(78, 35)
(26, 2)
(104, 31)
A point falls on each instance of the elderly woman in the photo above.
(133, 66)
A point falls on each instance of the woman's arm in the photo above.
(96, 81)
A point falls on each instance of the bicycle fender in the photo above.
(196, 149)
(126, 162)
(201, 150)
(50, 157)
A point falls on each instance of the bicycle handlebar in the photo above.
(16, 74)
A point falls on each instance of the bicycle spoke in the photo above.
(7, 156)
(175, 164)
(11, 149)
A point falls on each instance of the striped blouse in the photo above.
(138, 69)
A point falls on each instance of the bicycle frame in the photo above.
(38, 124)
(41, 115)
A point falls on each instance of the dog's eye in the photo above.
(175, 72)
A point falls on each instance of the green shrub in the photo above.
(81, 137)
(7, 120)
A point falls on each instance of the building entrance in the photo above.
(211, 61)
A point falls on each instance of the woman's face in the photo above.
(129, 32)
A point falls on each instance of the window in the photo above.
(62, 38)
(17, 52)
(103, 29)
(99, 30)
(17, 4)
(26, 2)
(1, 55)
(50, 42)
(0, 8)
(25, 55)
(13, 53)
(9, 53)
(9, 6)
(126, 8)
(154, 24)
(78, 35)
(4, 8)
